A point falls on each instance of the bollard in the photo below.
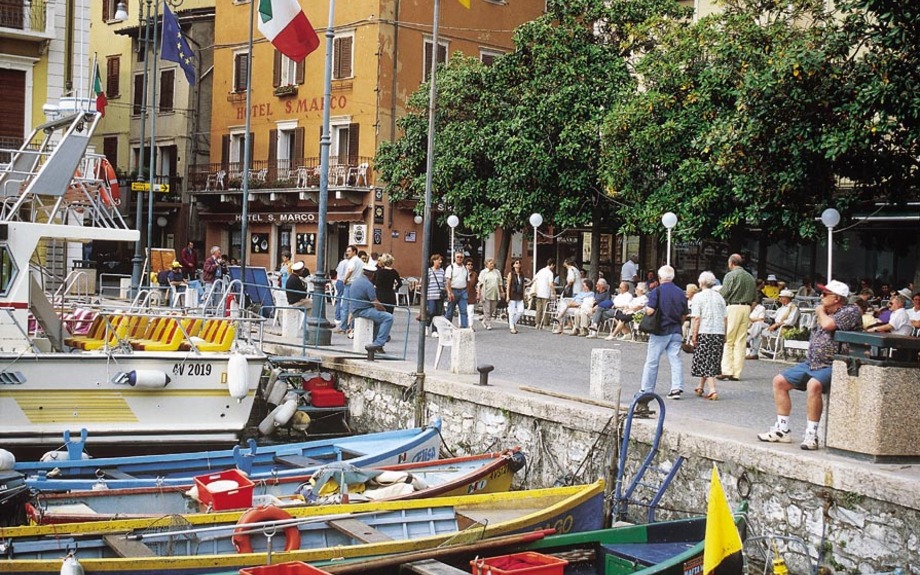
(484, 373)
(371, 350)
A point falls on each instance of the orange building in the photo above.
(381, 51)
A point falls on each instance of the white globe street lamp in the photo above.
(830, 218)
(418, 220)
(452, 221)
(536, 220)
(669, 220)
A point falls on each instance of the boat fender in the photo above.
(71, 566)
(61, 456)
(269, 388)
(7, 460)
(242, 540)
(268, 424)
(300, 421)
(148, 378)
(518, 461)
(284, 415)
(276, 393)
(238, 376)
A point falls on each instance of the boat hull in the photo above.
(55, 393)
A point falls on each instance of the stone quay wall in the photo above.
(861, 517)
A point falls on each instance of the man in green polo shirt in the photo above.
(739, 290)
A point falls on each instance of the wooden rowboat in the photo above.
(489, 473)
(206, 543)
(268, 462)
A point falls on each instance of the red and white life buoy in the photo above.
(110, 192)
(242, 539)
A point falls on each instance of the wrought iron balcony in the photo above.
(27, 20)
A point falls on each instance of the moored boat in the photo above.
(222, 541)
(139, 375)
(258, 462)
(489, 473)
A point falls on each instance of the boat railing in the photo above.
(76, 285)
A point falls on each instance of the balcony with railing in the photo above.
(26, 19)
(350, 180)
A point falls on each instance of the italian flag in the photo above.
(101, 100)
(287, 28)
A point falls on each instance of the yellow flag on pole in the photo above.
(465, 3)
(722, 551)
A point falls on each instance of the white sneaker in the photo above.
(777, 435)
(810, 441)
(434, 334)
(557, 331)
(591, 335)
(610, 337)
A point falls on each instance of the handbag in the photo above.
(687, 347)
(651, 324)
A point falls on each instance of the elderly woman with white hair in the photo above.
(707, 335)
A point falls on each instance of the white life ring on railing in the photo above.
(110, 192)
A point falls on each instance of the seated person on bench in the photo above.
(364, 304)
(296, 287)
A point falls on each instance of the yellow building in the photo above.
(380, 52)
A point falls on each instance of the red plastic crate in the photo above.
(319, 381)
(327, 398)
(238, 497)
(288, 568)
(527, 563)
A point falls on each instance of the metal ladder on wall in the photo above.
(623, 498)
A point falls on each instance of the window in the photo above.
(137, 102)
(167, 90)
(110, 149)
(442, 57)
(8, 271)
(112, 69)
(345, 143)
(286, 71)
(108, 9)
(342, 48)
(488, 57)
(240, 71)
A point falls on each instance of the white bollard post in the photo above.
(463, 351)
(605, 374)
(364, 335)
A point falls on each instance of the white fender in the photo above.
(273, 376)
(71, 566)
(286, 412)
(148, 378)
(7, 460)
(237, 376)
(277, 391)
(61, 456)
(268, 424)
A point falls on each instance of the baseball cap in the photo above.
(905, 292)
(176, 265)
(835, 287)
(297, 266)
(787, 293)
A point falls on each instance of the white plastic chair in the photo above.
(279, 298)
(402, 294)
(445, 335)
(359, 173)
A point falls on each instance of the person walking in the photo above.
(386, 282)
(707, 335)
(515, 294)
(434, 298)
(489, 290)
(188, 257)
(456, 278)
(284, 269)
(813, 376)
(472, 285)
(671, 302)
(544, 291)
(739, 290)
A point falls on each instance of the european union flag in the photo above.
(175, 48)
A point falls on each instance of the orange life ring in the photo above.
(242, 540)
(111, 194)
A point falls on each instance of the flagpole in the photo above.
(153, 137)
(429, 170)
(244, 226)
(318, 327)
(138, 259)
(89, 103)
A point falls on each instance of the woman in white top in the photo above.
(707, 335)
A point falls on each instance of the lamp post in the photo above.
(830, 218)
(669, 220)
(536, 220)
(452, 221)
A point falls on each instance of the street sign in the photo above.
(145, 187)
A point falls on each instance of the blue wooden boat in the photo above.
(259, 462)
(488, 473)
(220, 542)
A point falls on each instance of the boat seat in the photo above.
(359, 531)
(124, 547)
(647, 554)
(117, 330)
(297, 461)
(172, 336)
(96, 331)
(431, 567)
(216, 335)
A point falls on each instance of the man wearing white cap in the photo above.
(898, 321)
(365, 304)
(813, 376)
(296, 288)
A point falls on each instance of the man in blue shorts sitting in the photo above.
(813, 376)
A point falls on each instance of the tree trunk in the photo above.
(596, 242)
(503, 249)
